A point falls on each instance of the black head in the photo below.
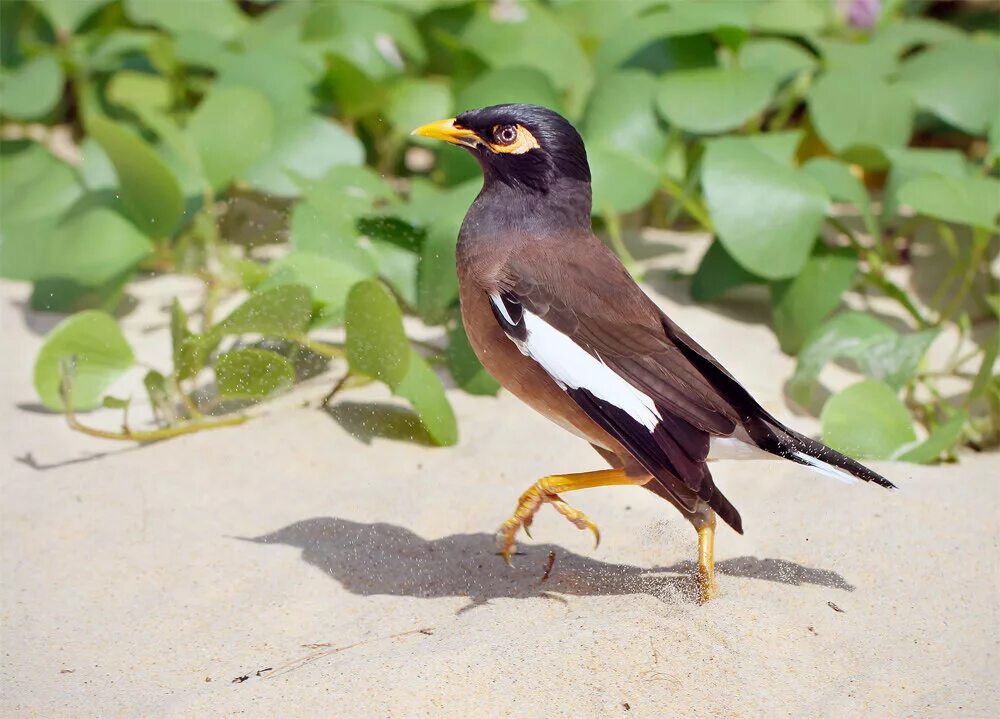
(519, 145)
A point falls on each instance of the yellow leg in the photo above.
(546, 490)
(706, 559)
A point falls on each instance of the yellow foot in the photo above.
(707, 587)
(546, 491)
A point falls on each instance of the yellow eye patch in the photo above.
(523, 142)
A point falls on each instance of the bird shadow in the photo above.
(380, 558)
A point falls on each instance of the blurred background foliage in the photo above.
(263, 148)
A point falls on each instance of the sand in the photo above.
(316, 564)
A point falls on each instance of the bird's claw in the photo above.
(529, 503)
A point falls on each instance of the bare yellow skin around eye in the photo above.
(522, 143)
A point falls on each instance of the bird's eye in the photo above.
(505, 134)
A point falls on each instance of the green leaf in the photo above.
(779, 146)
(219, 18)
(970, 104)
(765, 214)
(858, 115)
(282, 311)
(376, 343)
(877, 350)
(718, 273)
(942, 439)
(437, 282)
(623, 181)
(509, 84)
(662, 41)
(620, 114)
(465, 367)
(66, 15)
(328, 280)
(416, 101)
(232, 129)
(799, 304)
(110, 402)
(160, 397)
(32, 90)
(424, 391)
(90, 248)
(867, 421)
(357, 31)
(714, 99)
(968, 200)
(37, 190)
(399, 268)
(308, 148)
(870, 58)
(94, 344)
(139, 90)
(903, 34)
(991, 348)
(843, 186)
(253, 373)
(783, 59)
(910, 163)
(791, 17)
(536, 40)
(148, 189)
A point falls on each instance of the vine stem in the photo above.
(876, 276)
(126, 434)
(690, 205)
(618, 241)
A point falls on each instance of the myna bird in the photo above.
(554, 316)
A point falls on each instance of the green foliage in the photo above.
(263, 148)
(91, 347)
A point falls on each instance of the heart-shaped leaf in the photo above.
(424, 391)
(798, 305)
(376, 343)
(867, 421)
(767, 215)
(909, 163)
(717, 274)
(414, 102)
(843, 186)
(859, 115)
(219, 18)
(782, 58)
(98, 352)
(622, 181)
(232, 129)
(250, 373)
(307, 147)
(968, 200)
(31, 90)
(465, 367)
(509, 84)
(149, 190)
(328, 280)
(620, 114)
(66, 15)
(714, 99)
(282, 311)
(971, 104)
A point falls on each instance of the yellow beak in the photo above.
(447, 131)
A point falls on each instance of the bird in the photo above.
(555, 317)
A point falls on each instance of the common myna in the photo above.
(554, 316)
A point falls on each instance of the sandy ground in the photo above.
(144, 581)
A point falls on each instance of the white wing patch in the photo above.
(573, 367)
(826, 468)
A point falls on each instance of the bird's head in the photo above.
(520, 145)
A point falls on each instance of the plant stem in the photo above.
(876, 275)
(153, 435)
(618, 241)
(694, 208)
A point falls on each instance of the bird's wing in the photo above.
(618, 362)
